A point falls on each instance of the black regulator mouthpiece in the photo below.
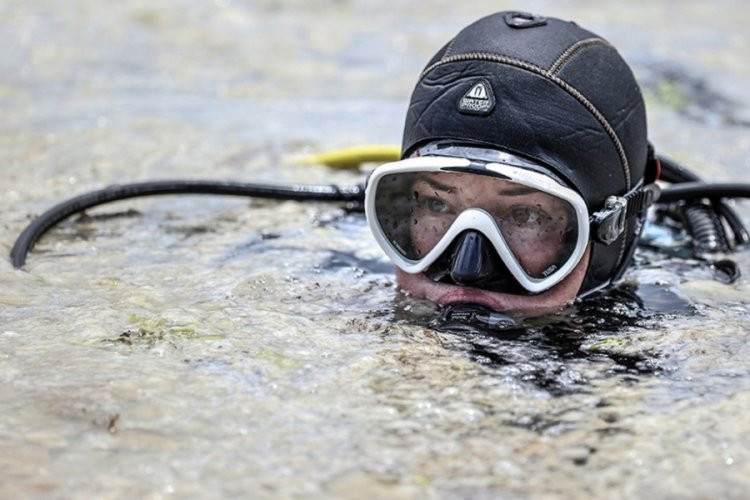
(472, 318)
(471, 260)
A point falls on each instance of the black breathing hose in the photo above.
(61, 211)
(704, 226)
(351, 194)
(675, 173)
(703, 220)
(698, 190)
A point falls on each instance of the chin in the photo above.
(549, 301)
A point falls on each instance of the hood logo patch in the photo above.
(479, 100)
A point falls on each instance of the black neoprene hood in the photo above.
(548, 90)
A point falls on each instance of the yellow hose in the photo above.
(353, 157)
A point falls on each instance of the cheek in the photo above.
(537, 253)
(425, 233)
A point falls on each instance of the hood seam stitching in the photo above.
(448, 49)
(489, 56)
(566, 56)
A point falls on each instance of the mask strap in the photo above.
(653, 166)
(609, 223)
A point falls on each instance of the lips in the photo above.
(445, 294)
(456, 295)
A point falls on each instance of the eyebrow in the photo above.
(511, 191)
(438, 185)
(518, 191)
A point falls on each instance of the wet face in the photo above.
(535, 225)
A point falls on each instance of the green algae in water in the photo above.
(148, 331)
(277, 359)
(422, 480)
(608, 344)
(670, 94)
(150, 18)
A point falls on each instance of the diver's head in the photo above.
(522, 179)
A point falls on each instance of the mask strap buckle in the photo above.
(609, 223)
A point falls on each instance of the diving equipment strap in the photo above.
(609, 223)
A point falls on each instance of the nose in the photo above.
(473, 260)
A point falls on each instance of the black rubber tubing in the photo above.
(698, 190)
(673, 172)
(299, 192)
(61, 211)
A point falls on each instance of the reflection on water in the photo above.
(206, 346)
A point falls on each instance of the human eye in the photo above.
(436, 205)
(430, 201)
(525, 215)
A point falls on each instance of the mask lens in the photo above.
(416, 209)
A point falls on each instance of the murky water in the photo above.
(202, 346)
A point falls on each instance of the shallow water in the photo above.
(201, 346)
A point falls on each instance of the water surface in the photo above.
(199, 346)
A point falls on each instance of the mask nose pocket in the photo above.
(473, 259)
